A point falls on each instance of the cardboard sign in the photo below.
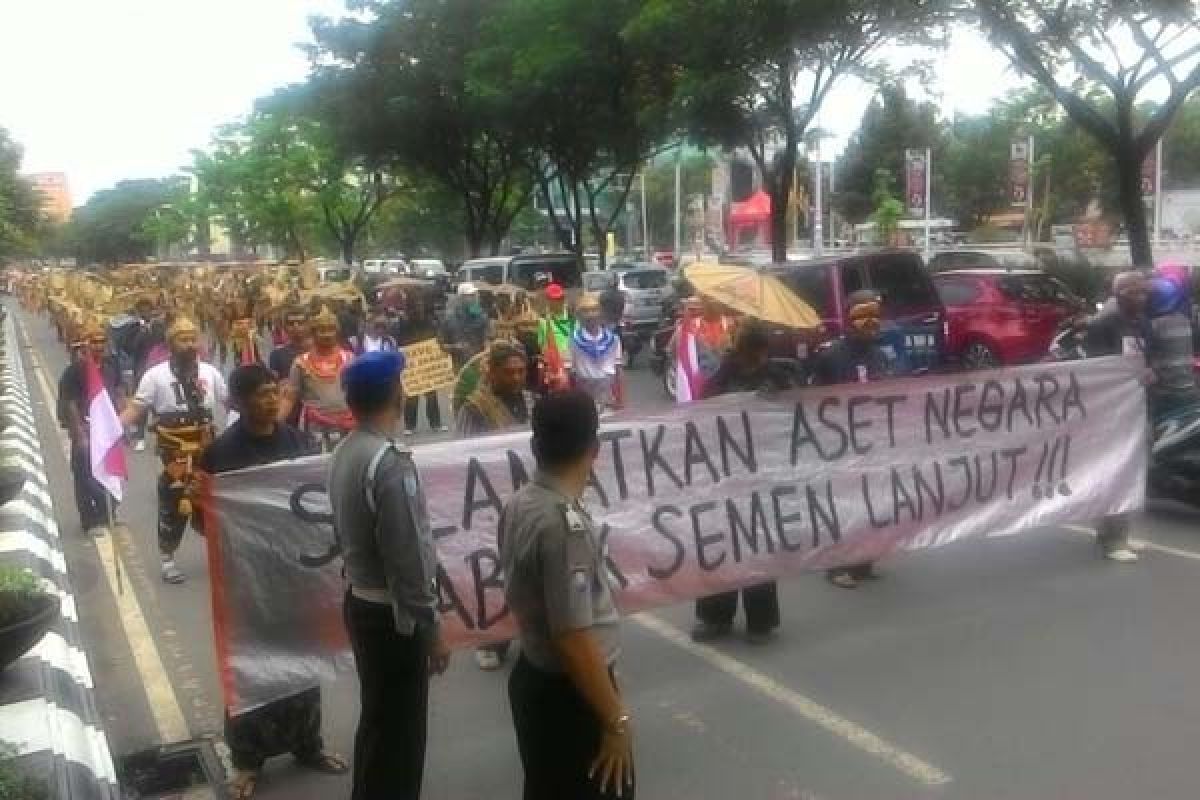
(429, 368)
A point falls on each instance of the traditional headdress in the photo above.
(180, 326)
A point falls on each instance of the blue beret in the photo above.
(372, 369)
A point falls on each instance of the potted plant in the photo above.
(27, 611)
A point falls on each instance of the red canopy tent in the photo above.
(752, 214)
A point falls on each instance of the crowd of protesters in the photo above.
(334, 380)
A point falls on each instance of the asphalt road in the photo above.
(1024, 667)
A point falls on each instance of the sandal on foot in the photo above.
(329, 763)
(243, 785)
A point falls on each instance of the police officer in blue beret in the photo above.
(381, 523)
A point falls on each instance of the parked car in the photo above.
(913, 315)
(1001, 317)
(426, 268)
(527, 271)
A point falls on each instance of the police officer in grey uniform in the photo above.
(380, 520)
(573, 729)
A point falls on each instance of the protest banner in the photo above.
(429, 368)
(694, 500)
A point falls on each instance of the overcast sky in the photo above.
(106, 90)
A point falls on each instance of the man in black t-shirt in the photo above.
(292, 724)
(91, 499)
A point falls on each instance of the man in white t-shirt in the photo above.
(183, 393)
(596, 357)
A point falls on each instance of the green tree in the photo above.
(891, 124)
(118, 225)
(424, 218)
(888, 209)
(261, 176)
(1097, 58)
(401, 69)
(1181, 148)
(21, 220)
(755, 73)
(594, 110)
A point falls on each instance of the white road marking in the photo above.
(1140, 544)
(164, 705)
(850, 732)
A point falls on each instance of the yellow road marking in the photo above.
(164, 705)
(824, 717)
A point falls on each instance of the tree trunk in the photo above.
(1133, 210)
(348, 242)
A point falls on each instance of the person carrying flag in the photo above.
(554, 340)
(90, 354)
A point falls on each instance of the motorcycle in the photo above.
(634, 338)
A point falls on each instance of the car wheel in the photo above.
(979, 356)
(669, 382)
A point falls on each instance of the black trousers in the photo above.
(291, 725)
(558, 736)
(761, 604)
(171, 524)
(433, 411)
(90, 497)
(393, 676)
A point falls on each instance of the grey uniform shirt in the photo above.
(556, 578)
(383, 526)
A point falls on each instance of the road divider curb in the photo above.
(48, 710)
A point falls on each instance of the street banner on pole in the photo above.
(915, 183)
(1018, 172)
(695, 500)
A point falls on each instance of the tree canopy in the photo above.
(21, 217)
(1097, 58)
(755, 73)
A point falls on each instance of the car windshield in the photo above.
(903, 283)
(811, 284)
(492, 274)
(1036, 289)
(645, 279)
(563, 271)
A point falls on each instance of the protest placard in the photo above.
(429, 368)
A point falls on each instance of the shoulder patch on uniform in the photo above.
(580, 581)
(575, 523)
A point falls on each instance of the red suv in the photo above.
(1000, 317)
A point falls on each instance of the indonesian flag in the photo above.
(689, 384)
(556, 370)
(104, 433)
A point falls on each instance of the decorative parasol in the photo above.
(752, 293)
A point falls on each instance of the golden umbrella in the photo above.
(752, 293)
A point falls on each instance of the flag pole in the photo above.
(112, 535)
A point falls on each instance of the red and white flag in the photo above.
(689, 383)
(105, 433)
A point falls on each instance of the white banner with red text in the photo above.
(697, 499)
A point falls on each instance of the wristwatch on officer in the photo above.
(620, 726)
